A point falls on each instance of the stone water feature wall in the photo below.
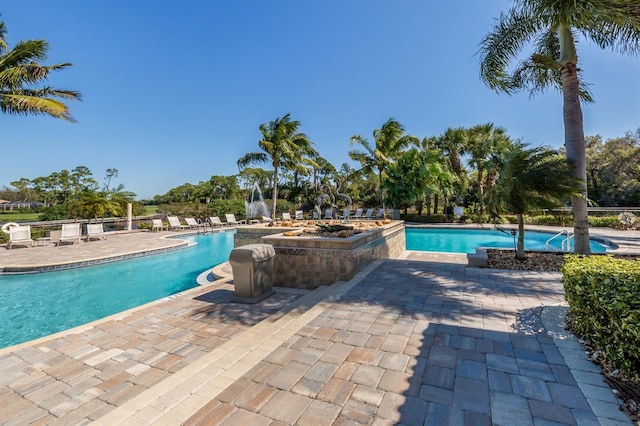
(311, 262)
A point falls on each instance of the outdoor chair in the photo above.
(345, 214)
(328, 214)
(192, 223)
(266, 219)
(358, 214)
(299, 215)
(95, 230)
(231, 220)
(215, 221)
(286, 216)
(174, 223)
(368, 214)
(158, 225)
(70, 233)
(380, 214)
(20, 235)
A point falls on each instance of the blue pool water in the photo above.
(36, 305)
(466, 240)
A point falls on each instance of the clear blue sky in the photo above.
(174, 91)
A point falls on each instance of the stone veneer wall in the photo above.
(308, 263)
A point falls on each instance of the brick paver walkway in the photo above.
(424, 343)
(81, 376)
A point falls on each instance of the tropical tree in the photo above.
(454, 144)
(485, 142)
(529, 179)
(613, 170)
(409, 178)
(282, 145)
(20, 75)
(96, 204)
(551, 27)
(389, 142)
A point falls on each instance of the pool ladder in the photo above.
(566, 242)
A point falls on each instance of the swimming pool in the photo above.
(36, 305)
(466, 240)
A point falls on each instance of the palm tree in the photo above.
(531, 179)
(93, 204)
(390, 142)
(283, 146)
(550, 26)
(20, 73)
(485, 142)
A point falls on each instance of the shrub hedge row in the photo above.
(604, 298)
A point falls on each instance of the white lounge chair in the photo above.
(20, 235)
(286, 216)
(231, 220)
(158, 225)
(299, 215)
(368, 214)
(380, 214)
(192, 223)
(95, 230)
(70, 233)
(215, 221)
(328, 214)
(358, 214)
(266, 219)
(174, 223)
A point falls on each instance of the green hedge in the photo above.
(433, 218)
(604, 297)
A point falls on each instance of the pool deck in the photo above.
(418, 340)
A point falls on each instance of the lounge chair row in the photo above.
(70, 232)
(191, 223)
(359, 214)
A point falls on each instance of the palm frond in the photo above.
(252, 158)
(24, 105)
(497, 49)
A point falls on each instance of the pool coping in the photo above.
(99, 260)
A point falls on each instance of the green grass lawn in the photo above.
(18, 217)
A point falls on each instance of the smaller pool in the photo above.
(466, 240)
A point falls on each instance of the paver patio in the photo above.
(407, 341)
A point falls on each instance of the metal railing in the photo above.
(564, 244)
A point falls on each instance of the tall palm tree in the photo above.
(20, 74)
(453, 142)
(390, 141)
(551, 28)
(485, 142)
(531, 179)
(282, 145)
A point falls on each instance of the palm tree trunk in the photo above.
(275, 192)
(381, 193)
(575, 146)
(481, 188)
(520, 245)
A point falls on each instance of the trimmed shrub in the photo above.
(605, 222)
(433, 218)
(604, 297)
(144, 225)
